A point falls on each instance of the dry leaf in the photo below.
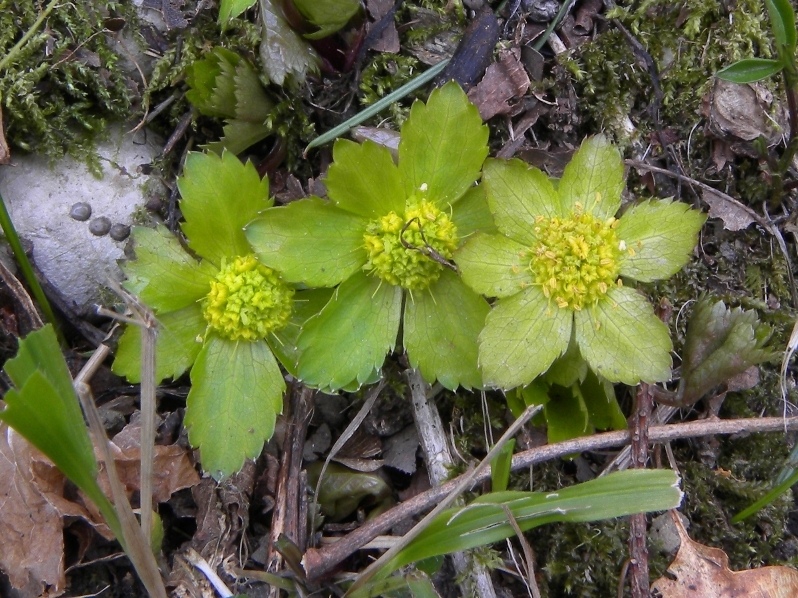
(740, 112)
(735, 216)
(32, 509)
(703, 571)
(503, 81)
(172, 469)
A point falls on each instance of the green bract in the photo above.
(557, 268)
(226, 314)
(386, 238)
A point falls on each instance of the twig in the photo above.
(475, 576)
(317, 562)
(638, 552)
(445, 495)
(289, 492)
(134, 543)
(193, 557)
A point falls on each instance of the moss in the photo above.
(65, 83)
(689, 41)
(384, 74)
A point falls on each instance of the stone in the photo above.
(40, 197)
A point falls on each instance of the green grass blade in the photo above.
(484, 521)
(378, 106)
(27, 268)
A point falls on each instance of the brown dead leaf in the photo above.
(703, 571)
(32, 509)
(172, 470)
(740, 112)
(503, 81)
(735, 216)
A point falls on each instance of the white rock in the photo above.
(39, 197)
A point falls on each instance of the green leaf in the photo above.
(220, 196)
(750, 70)
(768, 498)
(364, 180)
(44, 409)
(523, 335)
(310, 242)
(307, 303)
(443, 145)
(328, 15)
(601, 402)
(569, 369)
(211, 80)
(659, 237)
(237, 136)
(494, 265)
(501, 466)
(566, 415)
(517, 195)
(283, 52)
(441, 327)
(164, 275)
(342, 489)
(782, 22)
(485, 521)
(176, 346)
(623, 340)
(349, 339)
(594, 177)
(472, 213)
(230, 9)
(720, 344)
(236, 394)
(252, 103)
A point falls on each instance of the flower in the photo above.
(385, 240)
(226, 314)
(558, 264)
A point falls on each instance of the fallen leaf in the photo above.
(735, 216)
(739, 111)
(32, 508)
(703, 571)
(172, 469)
(503, 81)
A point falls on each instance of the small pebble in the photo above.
(120, 232)
(100, 226)
(80, 211)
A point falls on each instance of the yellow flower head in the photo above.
(247, 300)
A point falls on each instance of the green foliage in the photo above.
(484, 520)
(225, 85)
(285, 55)
(43, 407)
(222, 313)
(721, 343)
(557, 273)
(344, 490)
(327, 15)
(401, 215)
(65, 83)
(230, 9)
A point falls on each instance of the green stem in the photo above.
(27, 268)
(28, 34)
